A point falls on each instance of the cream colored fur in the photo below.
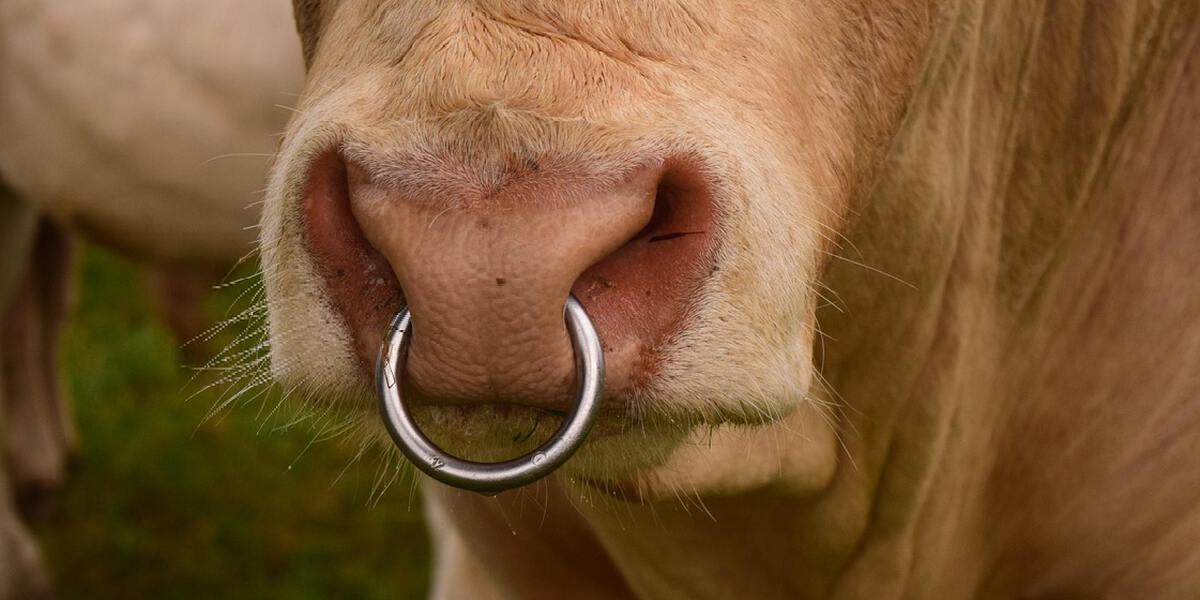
(1001, 399)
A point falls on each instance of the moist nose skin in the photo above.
(485, 271)
(486, 280)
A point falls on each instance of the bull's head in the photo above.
(683, 168)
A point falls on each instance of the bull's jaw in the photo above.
(705, 523)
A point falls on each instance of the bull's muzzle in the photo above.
(491, 478)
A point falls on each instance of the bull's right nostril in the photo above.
(358, 279)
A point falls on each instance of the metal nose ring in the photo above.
(490, 478)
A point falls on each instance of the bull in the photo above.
(896, 299)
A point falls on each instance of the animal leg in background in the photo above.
(39, 434)
(22, 573)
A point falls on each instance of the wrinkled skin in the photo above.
(147, 126)
(897, 301)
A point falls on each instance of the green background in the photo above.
(163, 503)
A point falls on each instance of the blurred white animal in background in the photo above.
(145, 125)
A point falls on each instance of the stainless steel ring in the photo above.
(490, 478)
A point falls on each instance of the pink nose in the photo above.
(485, 270)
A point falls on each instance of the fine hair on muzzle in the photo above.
(491, 478)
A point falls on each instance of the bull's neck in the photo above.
(1015, 141)
(1012, 143)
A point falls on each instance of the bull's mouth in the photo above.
(638, 296)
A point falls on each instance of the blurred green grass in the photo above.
(162, 503)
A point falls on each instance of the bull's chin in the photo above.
(667, 462)
(643, 456)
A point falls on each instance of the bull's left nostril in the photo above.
(639, 294)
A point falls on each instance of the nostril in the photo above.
(639, 294)
(661, 217)
(680, 208)
(357, 277)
